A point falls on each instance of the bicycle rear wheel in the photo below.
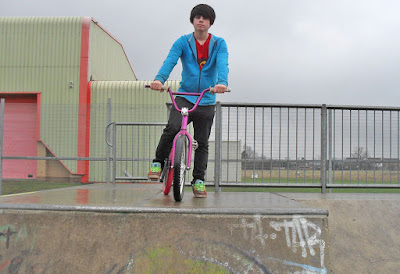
(180, 165)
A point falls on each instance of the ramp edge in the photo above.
(211, 211)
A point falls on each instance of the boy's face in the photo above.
(200, 23)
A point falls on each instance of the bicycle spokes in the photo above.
(180, 166)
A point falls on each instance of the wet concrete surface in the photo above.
(149, 197)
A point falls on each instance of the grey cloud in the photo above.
(334, 52)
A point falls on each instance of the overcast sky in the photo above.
(281, 51)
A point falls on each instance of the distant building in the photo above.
(54, 72)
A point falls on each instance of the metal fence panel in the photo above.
(312, 145)
(279, 145)
(256, 145)
(133, 147)
(365, 147)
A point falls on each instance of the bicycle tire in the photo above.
(167, 181)
(168, 176)
(179, 169)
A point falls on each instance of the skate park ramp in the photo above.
(135, 228)
(363, 230)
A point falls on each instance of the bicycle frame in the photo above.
(185, 117)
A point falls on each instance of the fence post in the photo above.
(114, 152)
(108, 151)
(2, 104)
(330, 134)
(324, 138)
(218, 147)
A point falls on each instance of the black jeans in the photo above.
(202, 119)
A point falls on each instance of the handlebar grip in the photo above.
(212, 90)
(162, 88)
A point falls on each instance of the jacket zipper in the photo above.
(198, 90)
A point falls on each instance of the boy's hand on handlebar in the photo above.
(156, 85)
(220, 88)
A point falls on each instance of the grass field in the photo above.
(313, 176)
(308, 190)
(14, 186)
(298, 190)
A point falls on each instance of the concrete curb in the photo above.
(213, 211)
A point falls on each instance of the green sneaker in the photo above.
(155, 171)
(199, 189)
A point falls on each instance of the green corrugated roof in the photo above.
(43, 54)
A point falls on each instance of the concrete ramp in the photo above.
(363, 230)
(134, 228)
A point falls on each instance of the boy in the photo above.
(204, 60)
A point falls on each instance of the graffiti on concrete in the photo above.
(227, 256)
(302, 233)
(253, 230)
(17, 248)
(127, 268)
(17, 252)
(299, 233)
(13, 265)
(5, 234)
(9, 234)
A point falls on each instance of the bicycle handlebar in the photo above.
(171, 93)
(210, 89)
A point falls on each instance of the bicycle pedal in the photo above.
(195, 144)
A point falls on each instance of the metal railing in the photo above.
(364, 147)
(312, 146)
(133, 157)
(265, 145)
(298, 146)
(274, 145)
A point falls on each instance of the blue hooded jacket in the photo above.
(215, 70)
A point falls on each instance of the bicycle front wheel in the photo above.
(180, 166)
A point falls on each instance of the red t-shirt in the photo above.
(202, 52)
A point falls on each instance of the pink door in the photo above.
(20, 135)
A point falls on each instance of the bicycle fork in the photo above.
(183, 131)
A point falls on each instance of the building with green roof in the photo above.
(56, 75)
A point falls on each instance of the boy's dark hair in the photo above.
(203, 10)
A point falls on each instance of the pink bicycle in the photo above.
(179, 160)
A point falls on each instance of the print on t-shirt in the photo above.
(201, 62)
